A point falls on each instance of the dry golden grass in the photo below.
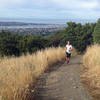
(91, 72)
(18, 75)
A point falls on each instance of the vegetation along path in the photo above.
(63, 83)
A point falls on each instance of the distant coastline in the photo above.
(31, 28)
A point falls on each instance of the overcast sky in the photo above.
(53, 9)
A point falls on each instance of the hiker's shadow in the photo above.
(42, 97)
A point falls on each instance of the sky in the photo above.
(50, 9)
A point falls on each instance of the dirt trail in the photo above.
(63, 83)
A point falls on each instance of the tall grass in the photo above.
(18, 75)
(91, 72)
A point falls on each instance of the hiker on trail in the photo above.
(68, 51)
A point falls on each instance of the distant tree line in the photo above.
(16, 44)
(80, 36)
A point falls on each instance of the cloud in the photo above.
(9, 2)
(76, 4)
(50, 8)
(58, 3)
(89, 5)
(82, 4)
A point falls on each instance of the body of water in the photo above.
(46, 21)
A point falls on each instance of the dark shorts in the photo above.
(68, 55)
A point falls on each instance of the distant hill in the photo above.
(17, 24)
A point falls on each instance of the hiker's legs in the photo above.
(67, 59)
(68, 55)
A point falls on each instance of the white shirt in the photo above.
(68, 48)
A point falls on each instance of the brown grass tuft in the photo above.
(91, 72)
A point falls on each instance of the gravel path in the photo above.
(63, 83)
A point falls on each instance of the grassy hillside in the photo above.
(18, 75)
(91, 72)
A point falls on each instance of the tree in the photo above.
(79, 35)
(8, 44)
(96, 33)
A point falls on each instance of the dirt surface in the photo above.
(63, 82)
